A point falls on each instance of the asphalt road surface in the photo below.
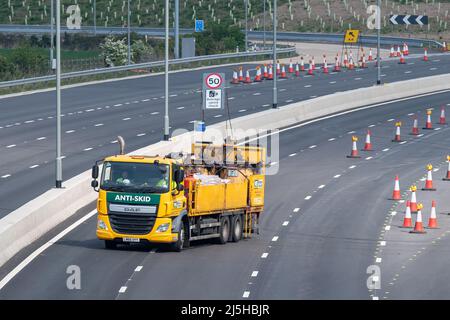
(324, 224)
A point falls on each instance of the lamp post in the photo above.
(166, 63)
(378, 22)
(129, 33)
(58, 96)
(274, 71)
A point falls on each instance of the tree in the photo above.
(218, 38)
(140, 51)
(114, 52)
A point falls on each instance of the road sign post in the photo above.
(213, 91)
(199, 25)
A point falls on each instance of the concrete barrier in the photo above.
(26, 224)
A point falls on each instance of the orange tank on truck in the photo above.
(214, 192)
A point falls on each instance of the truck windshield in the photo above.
(135, 177)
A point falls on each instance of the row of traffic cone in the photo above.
(418, 225)
(397, 52)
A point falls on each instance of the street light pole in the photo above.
(52, 33)
(264, 24)
(129, 34)
(378, 22)
(95, 17)
(58, 96)
(246, 25)
(177, 29)
(274, 66)
(166, 62)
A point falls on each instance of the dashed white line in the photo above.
(6, 176)
(145, 100)
(87, 149)
(140, 134)
(11, 146)
(352, 167)
(180, 108)
(312, 147)
(70, 131)
(138, 268)
(41, 138)
(285, 223)
(118, 105)
(217, 116)
(154, 113)
(126, 119)
(321, 186)
(308, 86)
(34, 166)
(331, 139)
(122, 289)
(257, 94)
(242, 110)
(254, 274)
(289, 101)
(308, 197)
(385, 150)
(369, 158)
(246, 294)
(296, 210)
(382, 243)
(403, 142)
(98, 125)
(292, 154)
(378, 260)
(390, 120)
(264, 255)
(282, 90)
(274, 239)
(372, 125)
(337, 176)
(387, 228)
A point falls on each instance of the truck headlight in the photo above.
(101, 225)
(163, 227)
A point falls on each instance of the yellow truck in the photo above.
(216, 191)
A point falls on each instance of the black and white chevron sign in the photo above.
(408, 19)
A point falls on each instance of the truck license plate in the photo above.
(131, 240)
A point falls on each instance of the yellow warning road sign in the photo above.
(351, 36)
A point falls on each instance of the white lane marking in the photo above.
(29, 121)
(408, 72)
(242, 110)
(217, 116)
(385, 150)
(70, 131)
(285, 223)
(289, 101)
(275, 238)
(4, 177)
(369, 158)
(420, 135)
(264, 255)
(437, 129)
(378, 260)
(313, 97)
(87, 149)
(173, 95)
(11, 146)
(393, 213)
(357, 79)
(282, 90)
(114, 141)
(292, 155)
(382, 243)
(266, 105)
(154, 113)
(432, 69)
(180, 108)
(145, 100)
(257, 94)
(273, 163)
(89, 110)
(231, 98)
(321, 186)
(331, 139)
(371, 126)
(390, 120)
(296, 210)
(122, 289)
(117, 105)
(313, 146)
(308, 197)
(403, 142)
(374, 298)
(98, 125)
(352, 167)
(126, 119)
(332, 82)
(246, 294)
(337, 176)
(308, 86)
(138, 268)
(387, 228)
(351, 132)
(254, 274)
(42, 248)
(411, 63)
(140, 134)
(41, 138)
(34, 166)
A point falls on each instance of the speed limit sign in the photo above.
(213, 90)
(214, 81)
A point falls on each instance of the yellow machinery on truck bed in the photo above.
(217, 191)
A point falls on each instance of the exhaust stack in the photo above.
(121, 145)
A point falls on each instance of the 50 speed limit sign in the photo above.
(213, 90)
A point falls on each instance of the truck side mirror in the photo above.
(94, 184)
(179, 176)
(95, 172)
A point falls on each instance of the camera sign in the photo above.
(213, 91)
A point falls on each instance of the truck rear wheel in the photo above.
(236, 235)
(109, 244)
(224, 230)
(183, 239)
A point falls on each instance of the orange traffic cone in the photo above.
(429, 180)
(397, 137)
(270, 74)
(258, 75)
(345, 60)
(302, 64)
(278, 68)
(310, 70)
(402, 59)
(413, 202)
(363, 62)
(368, 144)
(235, 79)
(447, 177)
(392, 53)
(265, 74)
(297, 70)
(418, 226)
(407, 221)
(313, 63)
(415, 129)
(370, 55)
(432, 221)
(429, 124)
(354, 153)
(396, 193)
(247, 77)
(291, 67)
(425, 55)
(442, 117)
(325, 65)
(398, 52)
(351, 64)
(337, 66)
(283, 72)
(241, 75)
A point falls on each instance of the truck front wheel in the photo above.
(183, 239)
(224, 230)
